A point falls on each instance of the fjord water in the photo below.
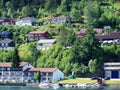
(37, 88)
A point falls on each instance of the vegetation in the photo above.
(85, 56)
(89, 81)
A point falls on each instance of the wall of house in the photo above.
(108, 74)
(58, 75)
(27, 66)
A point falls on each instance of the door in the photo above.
(115, 74)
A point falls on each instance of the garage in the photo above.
(115, 74)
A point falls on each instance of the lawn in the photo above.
(88, 81)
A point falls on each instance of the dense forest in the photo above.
(86, 56)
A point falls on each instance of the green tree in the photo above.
(15, 59)
(92, 66)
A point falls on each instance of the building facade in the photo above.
(36, 35)
(26, 21)
(7, 44)
(10, 74)
(44, 44)
(49, 74)
(112, 70)
(26, 72)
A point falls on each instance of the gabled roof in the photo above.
(110, 36)
(27, 18)
(23, 64)
(9, 64)
(38, 32)
(42, 69)
(52, 41)
(5, 33)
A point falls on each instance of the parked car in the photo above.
(107, 78)
(93, 78)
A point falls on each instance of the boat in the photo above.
(44, 85)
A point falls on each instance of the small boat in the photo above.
(44, 85)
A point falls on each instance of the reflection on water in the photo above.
(37, 88)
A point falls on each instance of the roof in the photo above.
(5, 33)
(47, 41)
(9, 64)
(37, 32)
(27, 18)
(6, 40)
(83, 31)
(42, 69)
(113, 35)
(23, 64)
(5, 64)
(59, 17)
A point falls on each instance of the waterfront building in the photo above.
(49, 74)
(112, 69)
(26, 73)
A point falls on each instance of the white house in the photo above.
(112, 69)
(44, 44)
(26, 21)
(49, 74)
(8, 73)
(60, 20)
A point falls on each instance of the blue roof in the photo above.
(5, 33)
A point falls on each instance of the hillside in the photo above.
(85, 56)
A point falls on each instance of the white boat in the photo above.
(44, 85)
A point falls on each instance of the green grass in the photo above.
(88, 81)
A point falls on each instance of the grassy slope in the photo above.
(88, 81)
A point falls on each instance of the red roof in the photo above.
(37, 32)
(8, 64)
(5, 64)
(42, 69)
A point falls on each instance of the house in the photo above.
(8, 73)
(60, 19)
(6, 21)
(82, 33)
(6, 34)
(44, 44)
(26, 21)
(35, 35)
(49, 74)
(112, 69)
(26, 72)
(109, 38)
(7, 44)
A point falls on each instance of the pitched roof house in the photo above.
(26, 72)
(60, 19)
(26, 21)
(44, 44)
(49, 74)
(7, 44)
(37, 35)
(8, 73)
(6, 21)
(6, 34)
(109, 38)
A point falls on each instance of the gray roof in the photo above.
(47, 41)
(6, 41)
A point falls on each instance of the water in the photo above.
(37, 88)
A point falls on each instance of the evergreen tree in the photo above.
(15, 59)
